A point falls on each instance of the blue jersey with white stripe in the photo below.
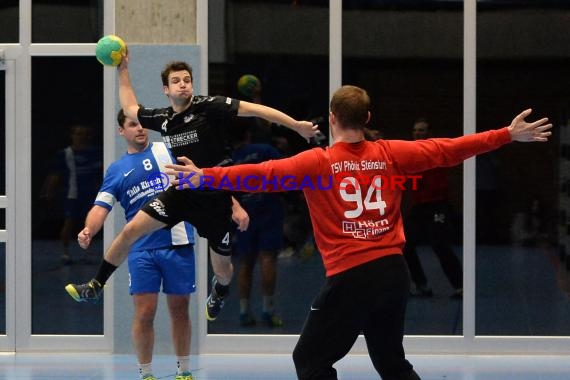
(135, 179)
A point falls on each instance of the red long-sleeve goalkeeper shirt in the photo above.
(352, 189)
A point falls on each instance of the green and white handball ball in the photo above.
(247, 84)
(110, 49)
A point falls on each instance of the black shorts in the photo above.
(210, 212)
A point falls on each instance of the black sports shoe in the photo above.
(90, 292)
(214, 303)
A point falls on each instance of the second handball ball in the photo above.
(247, 84)
(110, 49)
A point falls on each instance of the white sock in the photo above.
(183, 364)
(145, 369)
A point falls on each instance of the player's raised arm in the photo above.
(523, 131)
(420, 155)
(304, 128)
(127, 96)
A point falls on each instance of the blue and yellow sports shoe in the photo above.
(184, 376)
(90, 292)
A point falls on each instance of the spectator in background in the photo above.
(76, 174)
(264, 237)
(297, 232)
(428, 220)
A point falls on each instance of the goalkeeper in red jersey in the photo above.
(358, 226)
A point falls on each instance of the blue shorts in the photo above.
(174, 268)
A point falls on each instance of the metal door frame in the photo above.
(7, 341)
(17, 64)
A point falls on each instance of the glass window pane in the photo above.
(2, 192)
(2, 288)
(66, 174)
(522, 207)
(67, 21)
(3, 132)
(10, 15)
(408, 56)
(285, 45)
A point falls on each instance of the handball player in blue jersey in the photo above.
(164, 258)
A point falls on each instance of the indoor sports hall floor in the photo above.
(278, 367)
(354, 367)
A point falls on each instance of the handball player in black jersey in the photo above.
(193, 126)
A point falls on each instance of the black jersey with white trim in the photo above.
(199, 132)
